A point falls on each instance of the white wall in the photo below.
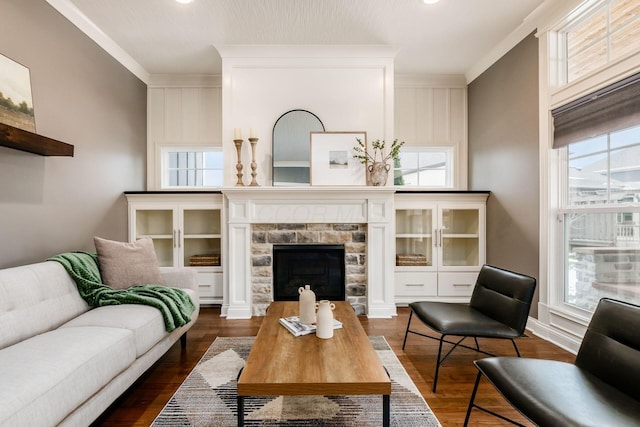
(182, 111)
(348, 88)
(432, 111)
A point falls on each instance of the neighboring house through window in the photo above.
(602, 219)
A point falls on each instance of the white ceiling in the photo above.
(163, 36)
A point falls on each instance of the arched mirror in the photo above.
(291, 147)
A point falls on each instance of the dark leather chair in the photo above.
(499, 308)
(602, 388)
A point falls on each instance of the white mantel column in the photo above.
(237, 294)
(380, 256)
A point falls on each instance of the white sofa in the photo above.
(64, 364)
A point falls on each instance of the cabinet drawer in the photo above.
(456, 284)
(210, 284)
(409, 283)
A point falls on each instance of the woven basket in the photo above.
(208, 260)
(411, 260)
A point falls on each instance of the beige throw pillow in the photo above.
(123, 265)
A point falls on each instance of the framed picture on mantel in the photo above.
(16, 102)
(332, 161)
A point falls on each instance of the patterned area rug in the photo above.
(208, 397)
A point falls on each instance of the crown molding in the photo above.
(547, 12)
(185, 80)
(307, 51)
(430, 80)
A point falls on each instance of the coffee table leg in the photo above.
(240, 404)
(240, 411)
(386, 405)
(386, 410)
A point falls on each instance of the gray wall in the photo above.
(503, 157)
(83, 97)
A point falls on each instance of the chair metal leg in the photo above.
(515, 346)
(435, 377)
(440, 360)
(473, 398)
(472, 405)
(407, 331)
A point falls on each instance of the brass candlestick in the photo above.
(238, 143)
(254, 165)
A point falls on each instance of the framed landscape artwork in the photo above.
(16, 102)
(332, 161)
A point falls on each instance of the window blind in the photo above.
(612, 108)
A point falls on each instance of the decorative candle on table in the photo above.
(237, 140)
(253, 140)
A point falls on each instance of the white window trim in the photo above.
(163, 147)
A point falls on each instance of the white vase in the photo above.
(324, 316)
(307, 302)
(378, 173)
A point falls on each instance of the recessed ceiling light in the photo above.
(185, 1)
(430, 1)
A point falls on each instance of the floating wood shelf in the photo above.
(30, 142)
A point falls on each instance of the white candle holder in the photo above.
(238, 144)
(254, 165)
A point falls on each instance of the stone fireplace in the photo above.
(357, 217)
(266, 238)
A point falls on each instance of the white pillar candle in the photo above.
(252, 133)
(237, 133)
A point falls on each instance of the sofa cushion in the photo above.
(46, 377)
(145, 322)
(123, 265)
(34, 299)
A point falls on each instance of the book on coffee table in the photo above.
(297, 328)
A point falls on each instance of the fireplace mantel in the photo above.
(372, 206)
(308, 204)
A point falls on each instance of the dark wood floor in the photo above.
(142, 402)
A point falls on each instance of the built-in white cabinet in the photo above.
(187, 231)
(440, 245)
(439, 239)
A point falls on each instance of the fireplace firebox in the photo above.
(320, 266)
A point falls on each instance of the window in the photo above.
(424, 167)
(608, 31)
(605, 169)
(198, 168)
(602, 219)
(597, 136)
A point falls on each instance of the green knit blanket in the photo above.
(174, 304)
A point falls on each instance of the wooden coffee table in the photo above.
(282, 364)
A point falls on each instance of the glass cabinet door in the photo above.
(202, 238)
(460, 237)
(414, 238)
(159, 225)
